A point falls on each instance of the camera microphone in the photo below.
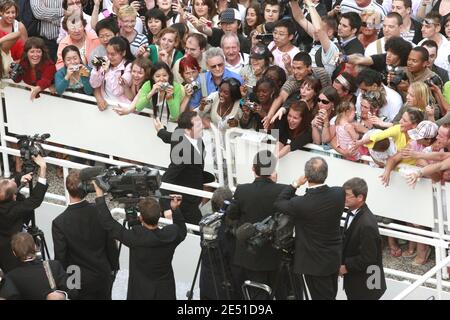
(245, 232)
(90, 173)
(45, 136)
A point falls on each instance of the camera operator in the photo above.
(15, 210)
(253, 202)
(317, 216)
(30, 280)
(151, 248)
(362, 245)
(211, 267)
(80, 240)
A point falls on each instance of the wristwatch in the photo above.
(295, 184)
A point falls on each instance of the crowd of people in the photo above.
(364, 77)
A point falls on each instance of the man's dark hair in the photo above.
(264, 163)
(185, 119)
(219, 196)
(396, 16)
(303, 57)
(369, 77)
(107, 24)
(435, 16)
(400, 47)
(272, 3)
(73, 184)
(430, 44)
(201, 40)
(406, 3)
(288, 24)
(357, 186)
(150, 211)
(316, 170)
(423, 52)
(354, 20)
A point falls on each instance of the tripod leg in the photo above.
(226, 280)
(44, 249)
(216, 289)
(190, 293)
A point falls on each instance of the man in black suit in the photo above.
(79, 240)
(29, 280)
(253, 202)
(187, 153)
(151, 248)
(317, 216)
(348, 29)
(15, 210)
(362, 264)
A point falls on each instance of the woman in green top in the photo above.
(160, 93)
(166, 48)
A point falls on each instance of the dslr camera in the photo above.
(15, 71)
(436, 80)
(98, 61)
(399, 75)
(265, 38)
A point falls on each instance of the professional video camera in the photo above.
(210, 225)
(127, 185)
(121, 182)
(278, 230)
(31, 146)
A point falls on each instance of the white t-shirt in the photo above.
(393, 104)
(330, 57)
(351, 6)
(278, 55)
(372, 48)
(243, 61)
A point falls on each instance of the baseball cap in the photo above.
(230, 15)
(424, 130)
(260, 52)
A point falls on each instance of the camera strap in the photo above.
(49, 274)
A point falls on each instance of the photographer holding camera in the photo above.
(253, 202)
(80, 240)
(317, 217)
(151, 248)
(15, 210)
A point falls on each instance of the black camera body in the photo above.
(265, 38)
(399, 75)
(31, 145)
(210, 226)
(98, 61)
(278, 230)
(130, 182)
(15, 71)
(436, 80)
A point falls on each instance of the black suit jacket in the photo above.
(317, 215)
(12, 216)
(253, 202)
(31, 282)
(185, 169)
(151, 252)
(80, 240)
(353, 46)
(362, 249)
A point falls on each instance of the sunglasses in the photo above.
(323, 101)
(219, 65)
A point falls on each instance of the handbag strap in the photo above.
(49, 274)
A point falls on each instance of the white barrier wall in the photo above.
(397, 201)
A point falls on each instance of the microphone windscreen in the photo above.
(245, 232)
(90, 173)
(45, 136)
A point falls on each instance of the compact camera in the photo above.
(165, 86)
(98, 61)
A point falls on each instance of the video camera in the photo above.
(278, 230)
(30, 146)
(210, 225)
(121, 182)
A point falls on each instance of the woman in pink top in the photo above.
(346, 134)
(77, 36)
